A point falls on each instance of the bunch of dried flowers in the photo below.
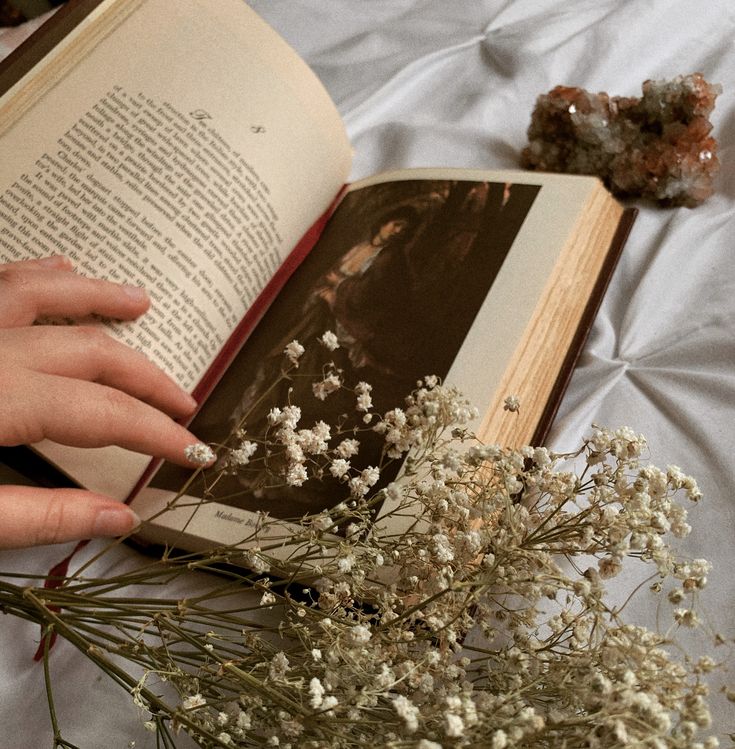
(462, 605)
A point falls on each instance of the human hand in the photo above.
(78, 386)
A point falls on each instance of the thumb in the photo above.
(34, 517)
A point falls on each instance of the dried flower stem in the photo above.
(483, 622)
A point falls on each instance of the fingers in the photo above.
(32, 289)
(52, 261)
(88, 353)
(33, 517)
(86, 414)
(78, 386)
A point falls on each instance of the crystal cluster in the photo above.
(658, 146)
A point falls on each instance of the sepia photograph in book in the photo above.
(489, 280)
(397, 277)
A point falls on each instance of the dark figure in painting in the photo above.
(400, 301)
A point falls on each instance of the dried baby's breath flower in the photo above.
(512, 403)
(199, 454)
(240, 456)
(364, 399)
(193, 702)
(329, 340)
(330, 384)
(294, 351)
(484, 621)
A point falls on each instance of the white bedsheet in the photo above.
(452, 83)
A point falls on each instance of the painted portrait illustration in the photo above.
(396, 281)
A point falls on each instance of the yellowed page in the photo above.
(187, 148)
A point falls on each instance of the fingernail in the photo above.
(115, 521)
(55, 261)
(136, 293)
(199, 454)
(191, 400)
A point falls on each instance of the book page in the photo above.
(187, 152)
(185, 149)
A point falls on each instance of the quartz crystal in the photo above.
(657, 146)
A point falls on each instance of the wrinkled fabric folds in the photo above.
(437, 83)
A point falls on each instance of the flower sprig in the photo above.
(463, 604)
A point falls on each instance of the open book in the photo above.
(186, 148)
